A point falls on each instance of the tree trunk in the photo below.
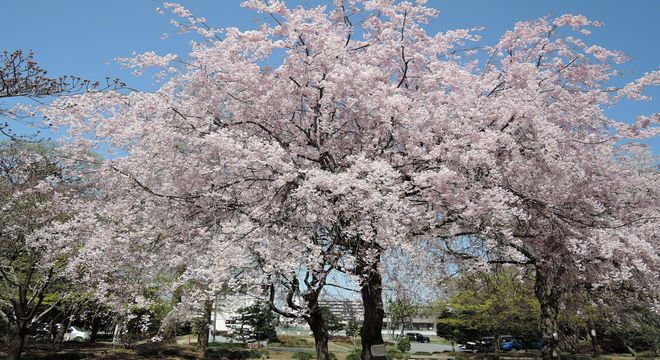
(203, 334)
(317, 325)
(594, 338)
(372, 300)
(168, 328)
(94, 329)
(547, 293)
(59, 338)
(17, 335)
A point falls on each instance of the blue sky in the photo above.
(82, 37)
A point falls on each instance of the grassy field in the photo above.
(276, 351)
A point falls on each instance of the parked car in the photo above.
(468, 346)
(536, 344)
(484, 344)
(418, 337)
(508, 343)
(75, 334)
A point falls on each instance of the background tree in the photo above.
(489, 304)
(35, 187)
(262, 322)
(332, 322)
(401, 312)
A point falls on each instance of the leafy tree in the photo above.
(261, 321)
(332, 322)
(489, 304)
(401, 313)
(353, 328)
(403, 344)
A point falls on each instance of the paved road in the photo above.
(428, 347)
(414, 346)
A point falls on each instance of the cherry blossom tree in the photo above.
(22, 78)
(329, 137)
(37, 194)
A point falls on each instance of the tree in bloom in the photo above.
(371, 136)
(21, 77)
(36, 198)
(543, 181)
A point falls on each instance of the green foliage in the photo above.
(55, 356)
(311, 356)
(292, 341)
(353, 356)
(640, 330)
(262, 321)
(401, 312)
(575, 357)
(227, 345)
(147, 352)
(485, 304)
(232, 353)
(403, 344)
(303, 356)
(332, 322)
(353, 328)
(393, 354)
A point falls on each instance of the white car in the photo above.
(75, 334)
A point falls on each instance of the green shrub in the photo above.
(403, 344)
(303, 356)
(353, 356)
(147, 352)
(394, 354)
(575, 357)
(461, 356)
(645, 357)
(292, 341)
(422, 353)
(227, 345)
(171, 352)
(55, 356)
(232, 354)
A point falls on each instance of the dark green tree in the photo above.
(260, 321)
(489, 304)
(401, 312)
(332, 322)
(353, 328)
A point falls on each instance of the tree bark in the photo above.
(203, 334)
(168, 328)
(94, 325)
(594, 338)
(314, 317)
(59, 338)
(372, 300)
(547, 292)
(17, 333)
(317, 325)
